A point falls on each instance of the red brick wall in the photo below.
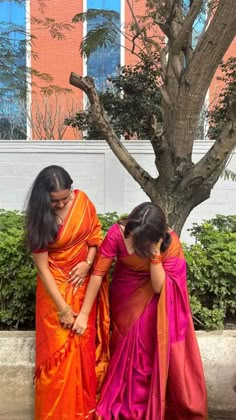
(58, 57)
(139, 10)
(216, 85)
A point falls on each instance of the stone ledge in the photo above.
(218, 351)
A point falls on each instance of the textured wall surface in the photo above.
(96, 170)
(218, 351)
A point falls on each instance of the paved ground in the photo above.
(23, 413)
(222, 416)
(13, 413)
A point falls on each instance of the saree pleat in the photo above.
(155, 372)
(66, 364)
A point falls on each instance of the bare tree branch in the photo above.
(210, 6)
(188, 49)
(217, 154)
(215, 41)
(50, 111)
(127, 37)
(186, 26)
(163, 60)
(86, 84)
(163, 89)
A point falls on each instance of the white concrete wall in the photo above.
(95, 169)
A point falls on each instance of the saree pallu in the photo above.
(65, 376)
(155, 372)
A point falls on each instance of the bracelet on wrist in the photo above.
(89, 262)
(156, 260)
(62, 313)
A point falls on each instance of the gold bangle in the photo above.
(62, 313)
(90, 263)
(156, 260)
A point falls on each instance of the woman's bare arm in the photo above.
(81, 321)
(157, 271)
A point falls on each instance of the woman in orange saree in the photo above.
(65, 375)
(155, 372)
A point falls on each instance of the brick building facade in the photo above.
(58, 58)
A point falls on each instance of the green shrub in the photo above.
(17, 274)
(212, 272)
(107, 220)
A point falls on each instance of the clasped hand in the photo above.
(67, 320)
(78, 322)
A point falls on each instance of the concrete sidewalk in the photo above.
(16, 413)
(25, 413)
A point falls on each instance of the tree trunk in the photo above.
(180, 199)
(181, 185)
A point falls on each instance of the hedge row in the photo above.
(211, 272)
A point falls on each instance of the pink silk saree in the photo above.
(155, 372)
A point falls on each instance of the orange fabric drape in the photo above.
(65, 376)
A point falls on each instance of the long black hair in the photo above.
(41, 221)
(147, 225)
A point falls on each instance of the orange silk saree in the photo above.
(66, 379)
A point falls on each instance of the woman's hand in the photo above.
(156, 248)
(80, 324)
(67, 320)
(78, 274)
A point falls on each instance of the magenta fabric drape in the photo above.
(155, 370)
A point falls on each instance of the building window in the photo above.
(12, 69)
(103, 62)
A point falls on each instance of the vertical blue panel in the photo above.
(197, 28)
(12, 12)
(103, 62)
(13, 51)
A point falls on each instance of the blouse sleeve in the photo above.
(107, 252)
(40, 251)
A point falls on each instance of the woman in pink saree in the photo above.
(155, 371)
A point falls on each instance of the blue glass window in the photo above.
(103, 62)
(197, 28)
(12, 69)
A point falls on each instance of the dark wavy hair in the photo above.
(147, 225)
(41, 221)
